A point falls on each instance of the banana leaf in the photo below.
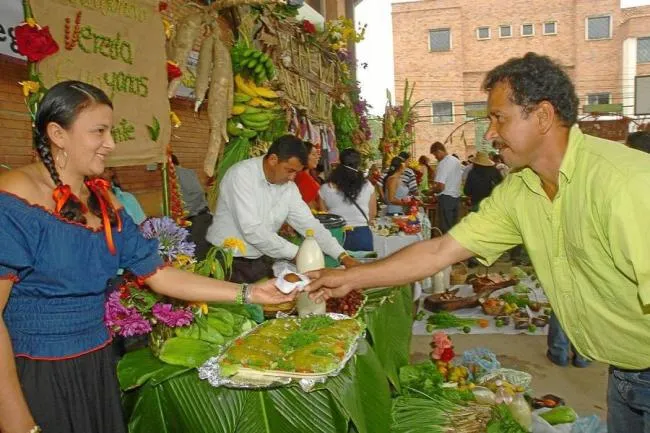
(140, 366)
(388, 315)
(184, 403)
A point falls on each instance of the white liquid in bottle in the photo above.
(309, 258)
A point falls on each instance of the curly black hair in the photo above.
(534, 78)
(347, 177)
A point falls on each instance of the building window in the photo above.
(598, 98)
(550, 28)
(643, 50)
(483, 33)
(475, 110)
(440, 40)
(527, 30)
(442, 112)
(505, 31)
(599, 27)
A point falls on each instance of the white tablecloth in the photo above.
(387, 245)
(536, 294)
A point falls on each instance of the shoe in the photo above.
(580, 362)
(557, 361)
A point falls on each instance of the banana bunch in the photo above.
(253, 109)
(252, 63)
(259, 148)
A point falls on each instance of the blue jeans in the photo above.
(358, 239)
(628, 401)
(559, 346)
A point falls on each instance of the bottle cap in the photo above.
(309, 232)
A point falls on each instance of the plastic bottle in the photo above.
(521, 411)
(309, 258)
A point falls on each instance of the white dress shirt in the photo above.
(253, 210)
(450, 172)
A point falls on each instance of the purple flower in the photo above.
(172, 239)
(170, 317)
(123, 321)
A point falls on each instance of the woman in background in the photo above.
(349, 195)
(128, 200)
(395, 191)
(307, 184)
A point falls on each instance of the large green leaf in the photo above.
(388, 316)
(139, 366)
(185, 403)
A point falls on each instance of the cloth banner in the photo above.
(118, 46)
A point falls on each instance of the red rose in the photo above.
(308, 27)
(173, 71)
(447, 355)
(35, 43)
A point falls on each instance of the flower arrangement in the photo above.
(443, 348)
(133, 309)
(343, 31)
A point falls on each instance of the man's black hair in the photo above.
(287, 147)
(534, 79)
(639, 140)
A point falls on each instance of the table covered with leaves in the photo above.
(166, 398)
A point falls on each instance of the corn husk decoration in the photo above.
(180, 46)
(203, 71)
(220, 99)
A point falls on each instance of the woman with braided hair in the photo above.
(62, 236)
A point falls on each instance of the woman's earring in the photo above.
(60, 165)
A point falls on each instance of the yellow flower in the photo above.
(176, 122)
(348, 228)
(168, 28)
(202, 306)
(31, 22)
(29, 87)
(235, 244)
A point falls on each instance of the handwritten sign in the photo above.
(118, 46)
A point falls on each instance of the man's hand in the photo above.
(328, 283)
(268, 293)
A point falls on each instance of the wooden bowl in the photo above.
(437, 302)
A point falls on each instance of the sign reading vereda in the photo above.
(118, 46)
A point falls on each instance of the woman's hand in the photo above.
(268, 293)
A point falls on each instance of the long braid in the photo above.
(72, 210)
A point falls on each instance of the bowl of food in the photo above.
(492, 306)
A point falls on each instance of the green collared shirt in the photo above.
(590, 245)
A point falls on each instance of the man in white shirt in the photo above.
(256, 197)
(447, 182)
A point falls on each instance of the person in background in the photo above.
(500, 165)
(256, 197)
(307, 183)
(579, 203)
(409, 179)
(349, 195)
(447, 184)
(481, 180)
(196, 206)
(639, 140)
(128, 200)
(467, 167)
(396, 193)
(427, 173)
(63, 235)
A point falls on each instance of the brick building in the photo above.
(447, 46)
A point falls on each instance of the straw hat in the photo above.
(483, 159)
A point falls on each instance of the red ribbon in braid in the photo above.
(61, 195)
(100, 188)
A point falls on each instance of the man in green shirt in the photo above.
(579, 204)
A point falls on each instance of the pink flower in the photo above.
(437, 352)
(123, 321)
(441, 340)
(173, 318)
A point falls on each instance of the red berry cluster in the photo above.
(349, 304)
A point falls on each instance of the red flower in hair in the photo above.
(34, 42)
(173, 71)
(308, 27)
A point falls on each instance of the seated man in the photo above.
(256, 197)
